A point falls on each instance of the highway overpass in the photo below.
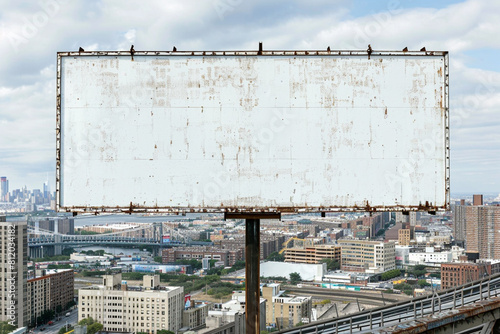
(470, 308)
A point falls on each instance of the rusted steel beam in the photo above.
(252, 276)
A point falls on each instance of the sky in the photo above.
(32, 32)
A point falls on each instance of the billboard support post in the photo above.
(252, 264)
(252, 275)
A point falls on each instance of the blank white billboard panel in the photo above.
(226, 131)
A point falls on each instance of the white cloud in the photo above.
(31, 35)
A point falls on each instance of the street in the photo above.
(71, 320)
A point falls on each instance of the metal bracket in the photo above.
(252, 215)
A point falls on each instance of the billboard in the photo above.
(286, 131)
(165, 239)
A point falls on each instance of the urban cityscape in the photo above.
(149, 274)
(249, 167)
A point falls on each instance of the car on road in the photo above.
(50, 323)
(68, 314)
(42, 329)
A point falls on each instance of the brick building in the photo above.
(268, 244)
(228, 256)
(455, 274)
(53, 290)
(366, 227)
(476, 226)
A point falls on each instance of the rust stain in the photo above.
(385, 114)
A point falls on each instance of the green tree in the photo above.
(423, 283)
(70, 304)
(163, 331)
(331, 264)
(92, 326)
(275, 256)
(158, 259)
(195, 264)
(295, 278)
(237, 266)
(64, 329)
(390, 274)
(419, 270)
(6, 328)
(68, 251)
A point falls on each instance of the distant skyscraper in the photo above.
(479, 226)
(4, 189)
(477, 200)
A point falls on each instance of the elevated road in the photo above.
(476, 300)
(376, 298)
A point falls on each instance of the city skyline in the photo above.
(467, 29)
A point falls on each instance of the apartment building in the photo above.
(365, 227)
(52, 290)
(477, 225)
(13, 271)
(195, 315)
(313, 254)
(455, 274)
(228, 256)
(285, 312)
(229, 317)
(57, 224)
(367, 256)
(430, 255)
(268, 244)
(120, 308)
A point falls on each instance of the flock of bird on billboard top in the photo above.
(260, 131)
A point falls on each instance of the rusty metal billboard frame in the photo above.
(132, 208)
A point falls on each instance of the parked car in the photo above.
(42, 329)
(50, 323)
(68, 314)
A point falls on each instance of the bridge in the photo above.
(43, 242)
(470, 308)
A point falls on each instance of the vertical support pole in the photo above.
(252, 276)
(481, 290)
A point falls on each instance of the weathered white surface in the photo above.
(195, 132)
(308, 272)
